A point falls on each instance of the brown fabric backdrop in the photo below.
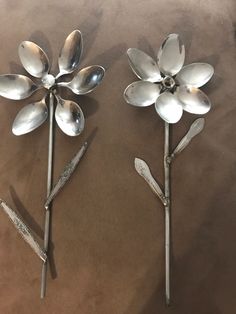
(107, 228)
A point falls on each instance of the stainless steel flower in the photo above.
(172, 87)
(68, 114)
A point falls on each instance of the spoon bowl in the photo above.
(193, 99)
(69, 117)
(70, 53)
(34, 59)
(16, 86)
(30, 117)
(86, 80)
(143, 65)
(171, 55)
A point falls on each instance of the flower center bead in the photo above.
(168, 82)
(48, 81)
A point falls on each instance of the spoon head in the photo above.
(169, 107)
(16, 86)
(143, 65)
(87, 80)
(142, 93)
(30, 117)
(70, 53)
(69, 117)
(195, 74)
(33, 59)
(193, 99)
(171, 55)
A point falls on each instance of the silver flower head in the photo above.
(172, 87)
(68, 114)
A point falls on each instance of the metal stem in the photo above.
(49, 187)
(167, 212)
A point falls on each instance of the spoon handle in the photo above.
(63, 84)
(24, 230)
(66, 174)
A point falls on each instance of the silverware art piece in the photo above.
(173, 88)
(68, 115)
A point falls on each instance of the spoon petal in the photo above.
(86, 80)
(143, 65)
(171, 55)
(193, 99)
(30, 118)
(16, 86)
(70, 53)
(141, 93)
(69, 117)
(169, 107)
(195, 74)
(33, 59)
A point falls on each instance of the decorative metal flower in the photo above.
(172, 87)
(68, 114)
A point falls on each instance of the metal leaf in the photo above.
(23, 230)
(67, 172)
(144, 171)
(196, 127)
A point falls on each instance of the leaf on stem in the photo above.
(196, 127)
(24, 230)
(65, 175)
(144, 171)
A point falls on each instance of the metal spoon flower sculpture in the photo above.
(68, 114)
(173, 88)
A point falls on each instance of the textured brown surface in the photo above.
(107, 225)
